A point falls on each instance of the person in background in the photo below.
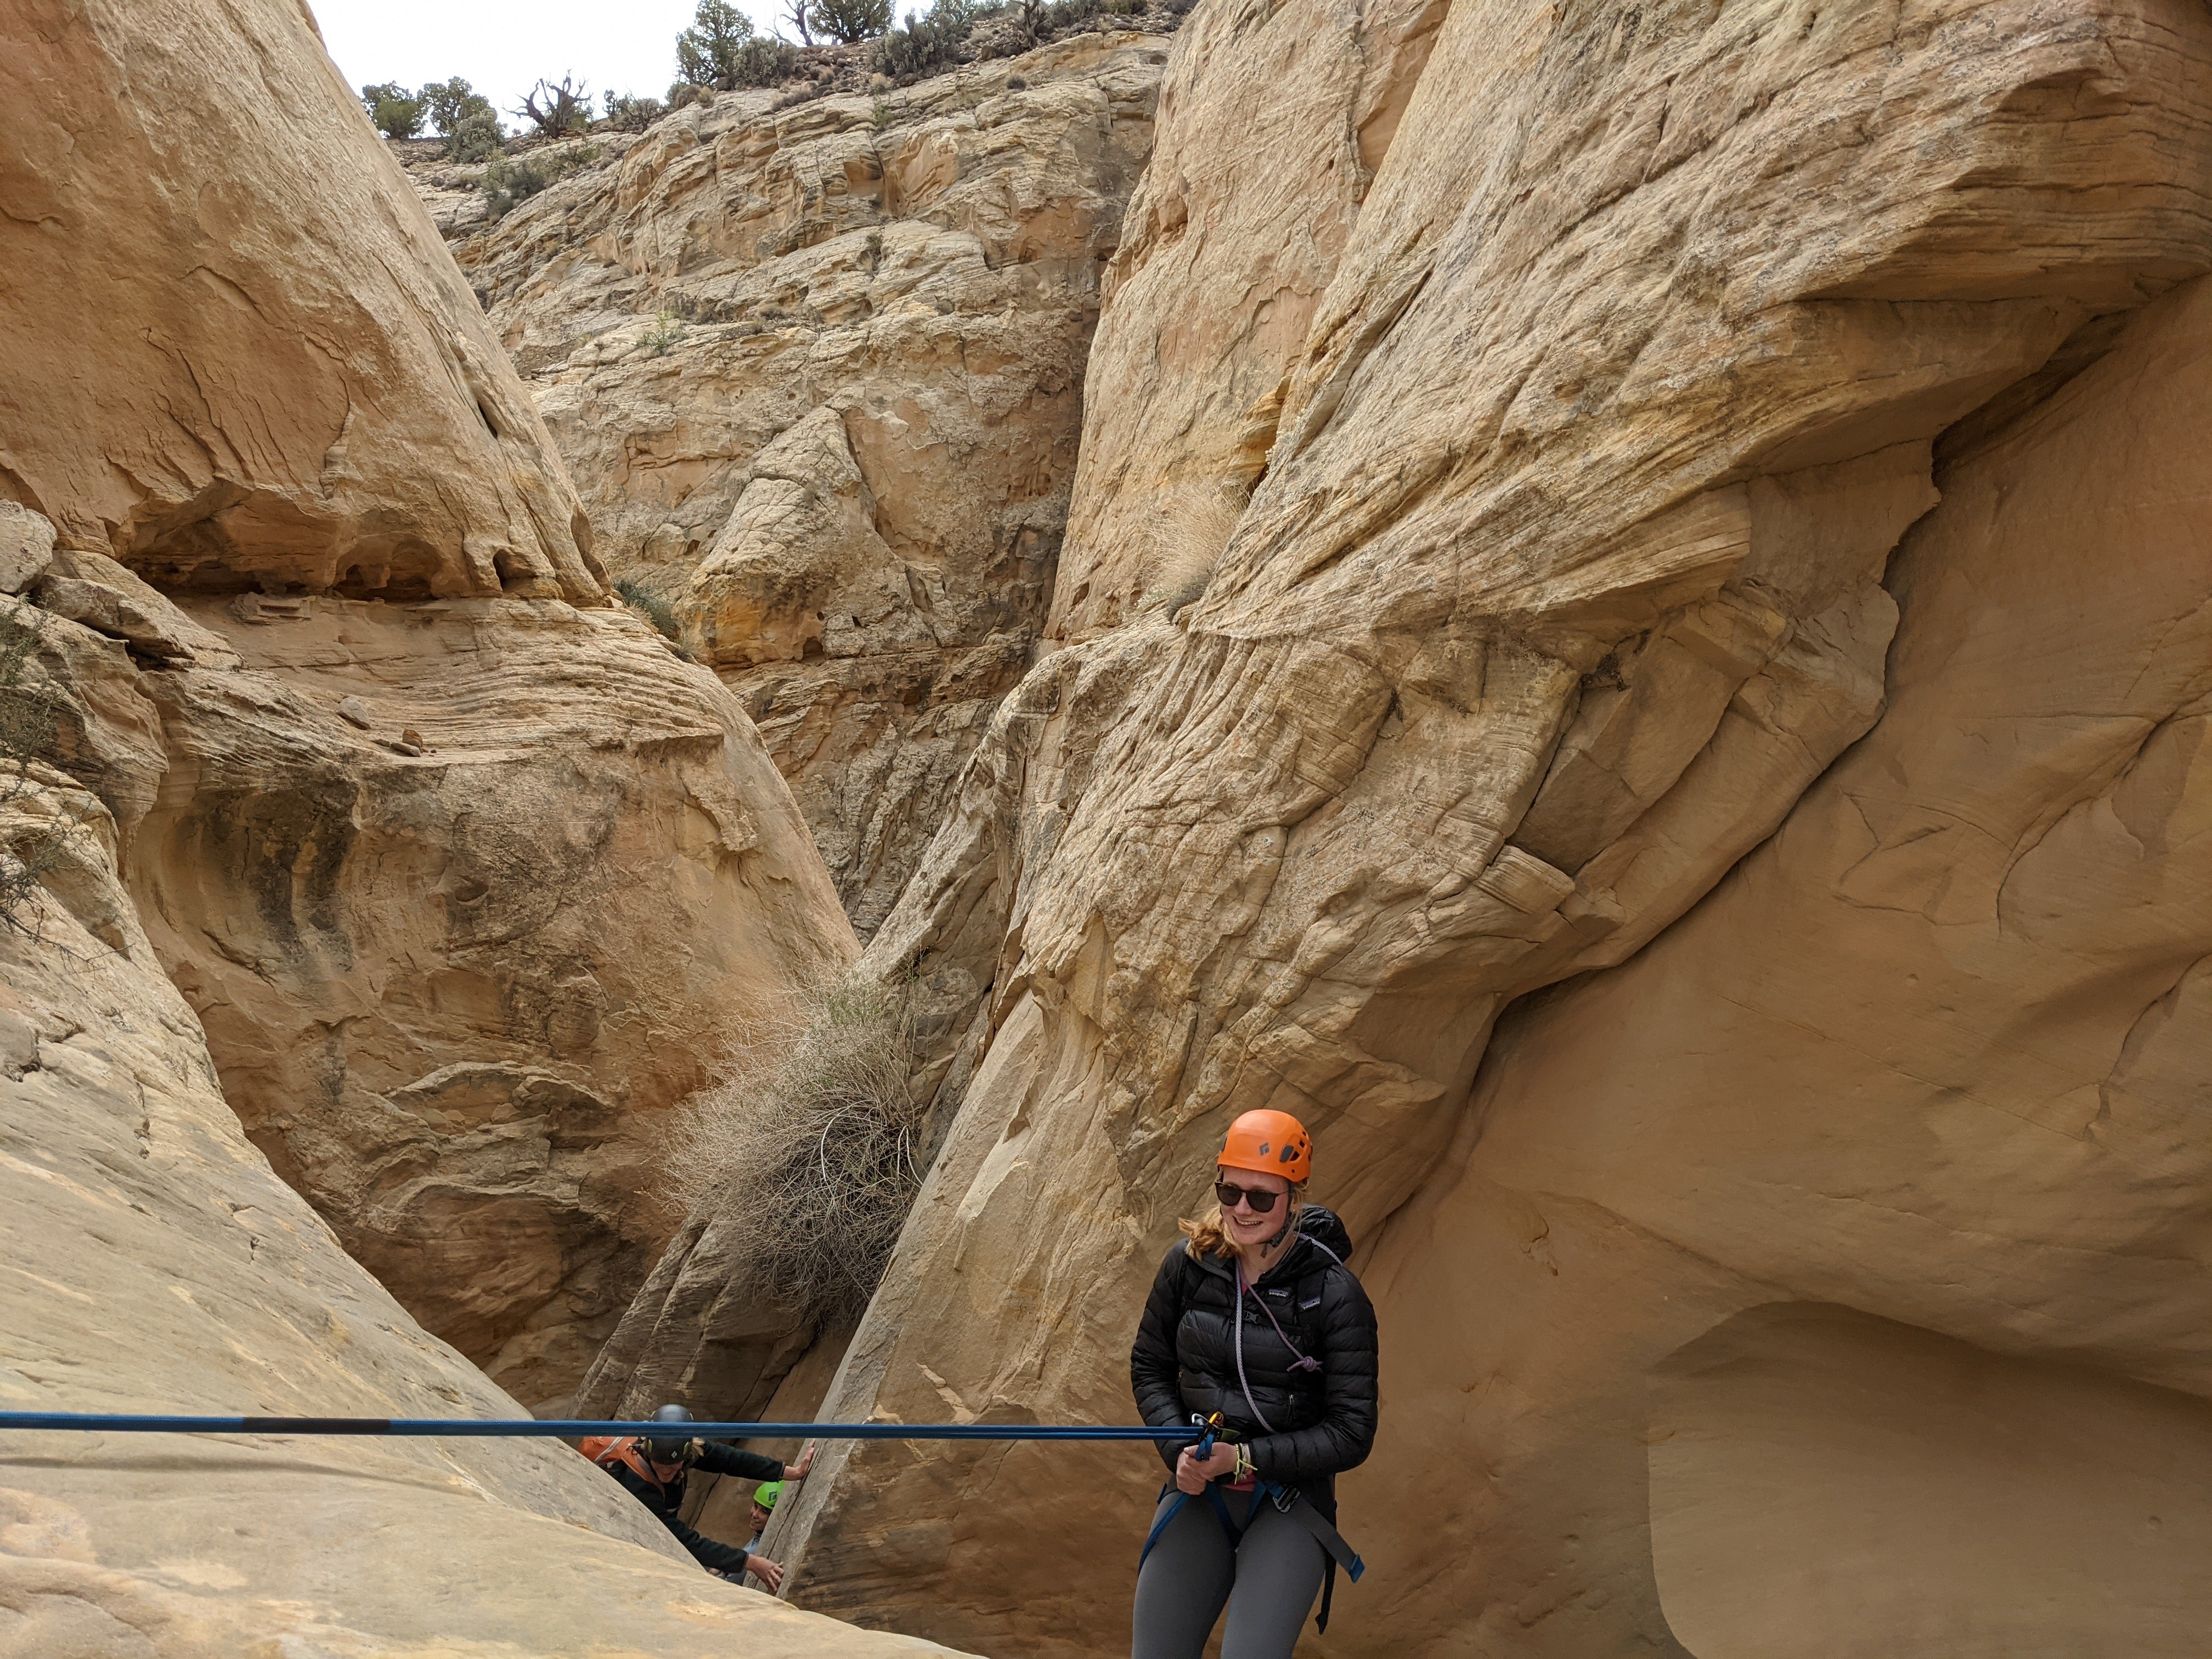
(764, 1496)
(654, 1470)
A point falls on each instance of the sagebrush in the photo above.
(807, 1154)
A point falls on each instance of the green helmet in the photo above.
(767, 1492)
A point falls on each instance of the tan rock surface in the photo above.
(277, 380)
(467, 889)
(1561, 586)
(150, 1260)
(1273, 121)
(819, 372)
(455, 965)
(1871, 1198)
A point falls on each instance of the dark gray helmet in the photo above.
(669, 1451)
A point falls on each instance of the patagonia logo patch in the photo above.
(1315, 1303)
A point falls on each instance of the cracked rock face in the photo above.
(1566, 570)
(819, 373)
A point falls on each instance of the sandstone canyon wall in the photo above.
(150, 1260)
(1567, 573)
(466, 872)
(818, 369)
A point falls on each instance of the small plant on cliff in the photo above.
(626, 113)
(924, 45)
(661, 339)
(651, 606)
(808, 1152)
(29, 713)
(507, 183)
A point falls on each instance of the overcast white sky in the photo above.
(503, 47)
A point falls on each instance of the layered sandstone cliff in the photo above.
(356, 802)
(467, 873)
(1566, 570)
(819, 372)
(149, 1259)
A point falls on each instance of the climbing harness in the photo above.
(1289, 1501)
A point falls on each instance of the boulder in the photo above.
(27, 546)
(453, 984)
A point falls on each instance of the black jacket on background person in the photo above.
(1183, 1362)
(667, 1501)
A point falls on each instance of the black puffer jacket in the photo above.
(1322, 1421)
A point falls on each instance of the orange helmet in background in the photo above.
(1271, 1142)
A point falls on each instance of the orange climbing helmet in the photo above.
(1273, 1143)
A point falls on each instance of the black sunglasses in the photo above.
(1260, 1200)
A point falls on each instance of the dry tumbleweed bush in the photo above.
(806, 1153)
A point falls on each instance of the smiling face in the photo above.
(762, 1516)
(1245, 1227)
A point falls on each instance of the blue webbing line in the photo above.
(579, 1428)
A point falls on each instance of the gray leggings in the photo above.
(1269, 1583)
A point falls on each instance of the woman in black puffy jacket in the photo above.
(1254, 1319)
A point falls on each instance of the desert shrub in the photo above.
(558, 107)
(29, 713)
(508, 184)
(449, 103)
(926, 44)
(808, 1152)
(764, 61)
(476, 139)
(851, 22)
(651, 606)
(658, 341)
(395, 112)
(1188, 547)
(629, 115)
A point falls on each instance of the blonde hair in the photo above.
(1209, 1235)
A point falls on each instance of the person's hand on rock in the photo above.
(770, 1573)
(798, 1471)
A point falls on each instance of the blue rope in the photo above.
(579, 1428)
